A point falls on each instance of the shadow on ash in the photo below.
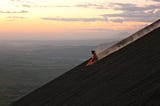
(127, 74)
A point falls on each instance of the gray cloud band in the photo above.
(12, 12)
(156, 0)
(88, 5)
(16, 17)
(16, 0)
(132, 12)
(76, 19)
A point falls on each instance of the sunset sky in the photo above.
(75, 19)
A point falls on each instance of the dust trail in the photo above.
(129, 40)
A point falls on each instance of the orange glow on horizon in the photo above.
(60, 26)
(60, 16)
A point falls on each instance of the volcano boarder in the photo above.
(93, 59)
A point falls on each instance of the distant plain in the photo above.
(27, 65)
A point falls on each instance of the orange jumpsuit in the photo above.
(92, 60)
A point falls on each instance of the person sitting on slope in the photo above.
(93, 59)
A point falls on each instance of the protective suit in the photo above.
(93, 59)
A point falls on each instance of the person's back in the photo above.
(93, 59)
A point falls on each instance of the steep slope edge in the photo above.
(130, 39)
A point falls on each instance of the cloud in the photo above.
(132, 7)
(16, 0)
(13, 12)
(45, 6)
(16, 17)
(86, 5)
(95, 29)
(132, 12)
(90, 5)
(76, 19)
(120, 20)
(26, 5)
(21, 1)
(156, 0)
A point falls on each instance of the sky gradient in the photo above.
(75, 19)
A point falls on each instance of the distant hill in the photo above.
(128, 74)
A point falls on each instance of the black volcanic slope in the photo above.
(128, 77)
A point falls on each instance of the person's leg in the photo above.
(89, 63)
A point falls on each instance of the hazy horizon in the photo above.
(93, 42)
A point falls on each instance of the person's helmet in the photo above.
(93, 51)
